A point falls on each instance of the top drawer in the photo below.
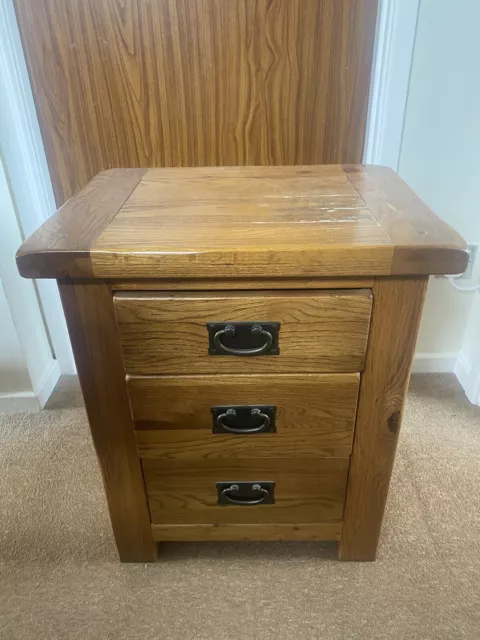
(311, 331)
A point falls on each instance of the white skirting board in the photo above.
(32, 400)
(457, 363)
(18, 401)
(434, 363)
(47, 383)
(468, 378)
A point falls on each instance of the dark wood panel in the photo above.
(122, 83)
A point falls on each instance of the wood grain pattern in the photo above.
(395, 321)
(189, 444)
(91, 324)
(65, 237)
(261, 531)
(242, 222)
(184, 492)
(121, 83)
(413, 228)
(254, 224)
(320, 331)
(315, 415)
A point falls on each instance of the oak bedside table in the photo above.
(243, 338)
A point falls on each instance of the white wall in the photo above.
(440, 152)
(13, 366)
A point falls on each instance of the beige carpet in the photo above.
(60, 577)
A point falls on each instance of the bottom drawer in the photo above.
(304, 491)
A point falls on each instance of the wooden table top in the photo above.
(242, 222)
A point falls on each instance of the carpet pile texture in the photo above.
(60, 577)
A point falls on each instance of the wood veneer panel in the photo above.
(197, 82)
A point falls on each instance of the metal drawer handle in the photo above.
(229, 332)
(232, 413)
(234, 488)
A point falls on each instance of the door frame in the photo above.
(27, 170)
(393, 55)
(21, 295)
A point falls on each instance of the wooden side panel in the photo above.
(261, 531)
(319, 331)
(91, 324)
(397, 310)
(141, 83)
(184, 491)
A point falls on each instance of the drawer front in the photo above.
(225, 332)
(181, 492)
(307, 415)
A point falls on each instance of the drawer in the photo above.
(187, 492)
(313, 331)
(306, 415)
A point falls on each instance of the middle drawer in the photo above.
(309, 415)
